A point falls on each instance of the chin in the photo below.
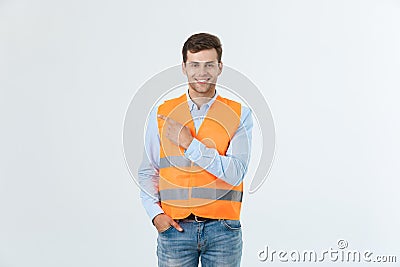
(201, 88)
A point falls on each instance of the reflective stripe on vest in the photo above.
(175, 161)
(201, 192)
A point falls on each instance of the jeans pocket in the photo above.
(166, 230)
(232, 225)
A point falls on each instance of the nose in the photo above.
(202, 70)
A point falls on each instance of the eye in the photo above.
(194, 65)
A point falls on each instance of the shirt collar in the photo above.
(207, 105)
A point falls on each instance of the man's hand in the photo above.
(162, 222)
(176, 132)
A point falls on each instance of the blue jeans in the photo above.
(216, 243)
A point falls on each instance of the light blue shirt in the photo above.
(231, 167)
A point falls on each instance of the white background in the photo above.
(68, 70)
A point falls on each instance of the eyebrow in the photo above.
(201, 61)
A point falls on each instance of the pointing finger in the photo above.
(167, 119)
(162, 117)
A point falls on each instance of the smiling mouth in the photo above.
(202, 81)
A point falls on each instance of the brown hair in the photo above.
(202, 41)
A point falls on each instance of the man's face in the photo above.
(202, 69)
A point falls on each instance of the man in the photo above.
(197, 151)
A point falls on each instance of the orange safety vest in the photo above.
(186, 187)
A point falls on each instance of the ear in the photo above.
(184, 69)
(220, 66)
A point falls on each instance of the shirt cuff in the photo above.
(154, 210)
(193, 152)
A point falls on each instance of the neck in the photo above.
(201, 98)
